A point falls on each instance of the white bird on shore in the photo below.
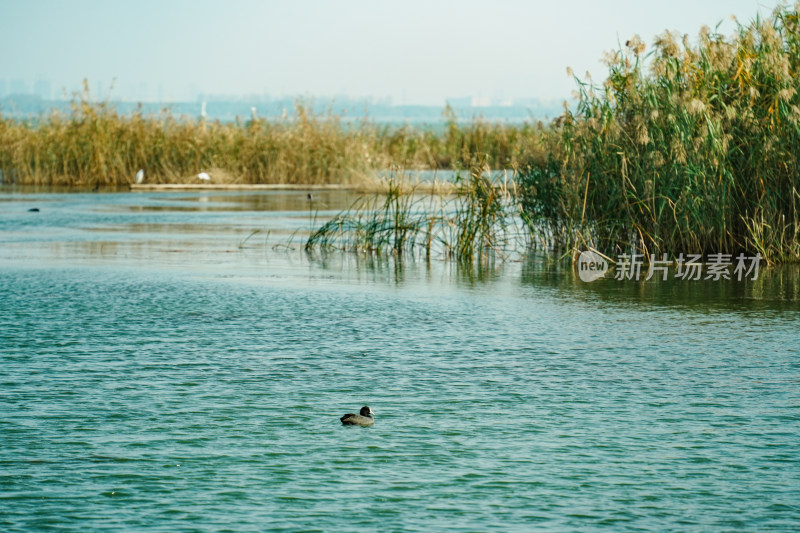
(140, 176)
(204, 176)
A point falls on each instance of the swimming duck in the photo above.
(364, 419)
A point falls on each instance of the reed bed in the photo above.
(690, 148)
(459, 145)
(94, 145)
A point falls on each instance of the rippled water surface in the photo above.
(173, 361)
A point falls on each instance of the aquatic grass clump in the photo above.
(386, 223)
(691, 148)
(484, 218)
(476, 222)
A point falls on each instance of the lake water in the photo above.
(175, 362)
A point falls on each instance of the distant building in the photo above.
(41, 88)
(18, 87)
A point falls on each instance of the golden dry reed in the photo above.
(95, 146)
(692, 147)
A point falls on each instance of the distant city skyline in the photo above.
(42, 88)
(403, 53)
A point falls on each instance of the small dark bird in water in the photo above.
(364, 419)
(33, 210)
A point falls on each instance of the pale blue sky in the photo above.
(412, 51)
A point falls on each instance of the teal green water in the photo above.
(156, 374)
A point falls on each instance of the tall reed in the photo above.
(690, 148)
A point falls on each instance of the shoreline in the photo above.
(242, 186)
(421, 187)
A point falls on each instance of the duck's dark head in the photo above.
(366, 411)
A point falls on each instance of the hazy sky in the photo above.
(412, 51)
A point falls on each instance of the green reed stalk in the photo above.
(471, 226)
